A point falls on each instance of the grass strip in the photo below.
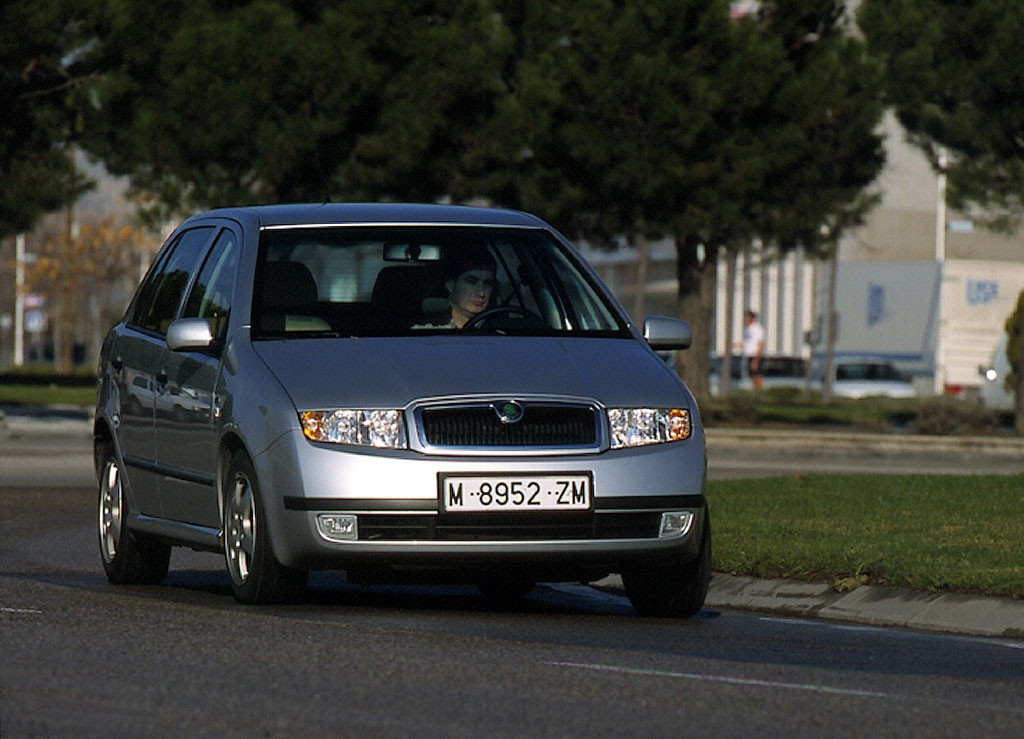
(47, 395)
(942, 533)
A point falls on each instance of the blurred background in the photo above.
(850, 171)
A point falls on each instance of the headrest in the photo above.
(288, 286)
(401, 289)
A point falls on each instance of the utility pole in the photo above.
(939, 362)
(830, 326)
(19, 300)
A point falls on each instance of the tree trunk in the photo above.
(729, 318)
(63, 332)
(697, 273)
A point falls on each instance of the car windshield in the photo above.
(415, 280)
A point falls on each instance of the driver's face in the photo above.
(470, 294)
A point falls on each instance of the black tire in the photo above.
(256, 575)
(676, 590)
(128, 559)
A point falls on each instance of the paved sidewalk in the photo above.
(876, 606)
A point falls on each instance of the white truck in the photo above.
(937, 322)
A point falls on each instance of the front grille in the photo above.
(510, 527)
(479, 426)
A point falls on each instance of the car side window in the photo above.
(210, 297)
(163, 290)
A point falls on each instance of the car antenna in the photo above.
(323, 177)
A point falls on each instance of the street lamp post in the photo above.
(19, 300)
(940, 259)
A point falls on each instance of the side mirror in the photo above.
(666, 334)
(189, 334)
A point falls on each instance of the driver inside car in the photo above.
(470, 278)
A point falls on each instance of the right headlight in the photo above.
(631, 427)
(376, 428)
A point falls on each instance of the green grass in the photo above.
(47, 395)
(39, 368)
(944, 533)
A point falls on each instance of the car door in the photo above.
(137, 355)
(186, 400)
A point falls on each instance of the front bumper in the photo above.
(393, 499)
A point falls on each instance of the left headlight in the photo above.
(641, 426)
(383, 429)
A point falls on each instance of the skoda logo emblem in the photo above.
(509, 411)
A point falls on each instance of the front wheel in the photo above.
(128, 559)
(676, 590)
(256, 575)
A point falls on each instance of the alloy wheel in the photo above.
(240, 529)
(111, 509)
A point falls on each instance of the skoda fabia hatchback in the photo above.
(396, 390)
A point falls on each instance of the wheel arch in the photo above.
(102, 435)
(230, 444)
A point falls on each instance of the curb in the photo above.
(800, 439)
(871, 605)
(57, 424)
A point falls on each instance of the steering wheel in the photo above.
(511, 314)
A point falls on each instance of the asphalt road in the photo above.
(83, 658)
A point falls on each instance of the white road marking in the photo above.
(725, 679)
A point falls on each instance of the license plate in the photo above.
(475, 493)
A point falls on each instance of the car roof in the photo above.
(300, 214)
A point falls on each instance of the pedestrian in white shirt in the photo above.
(753, 348)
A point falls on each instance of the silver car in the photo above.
(396, 391)
(866, 377)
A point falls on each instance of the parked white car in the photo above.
(866, 377)
(777, 371)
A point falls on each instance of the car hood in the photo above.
(396, 372)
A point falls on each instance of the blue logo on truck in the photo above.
(876, 303)
(981, 292)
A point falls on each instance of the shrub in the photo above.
(945, 415)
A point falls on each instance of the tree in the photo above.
(955, 76)
(1014, 381)
(614, 125)
(72, 259)
(211, 103)
(43, 79)
(798, 147)
(655, 118)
